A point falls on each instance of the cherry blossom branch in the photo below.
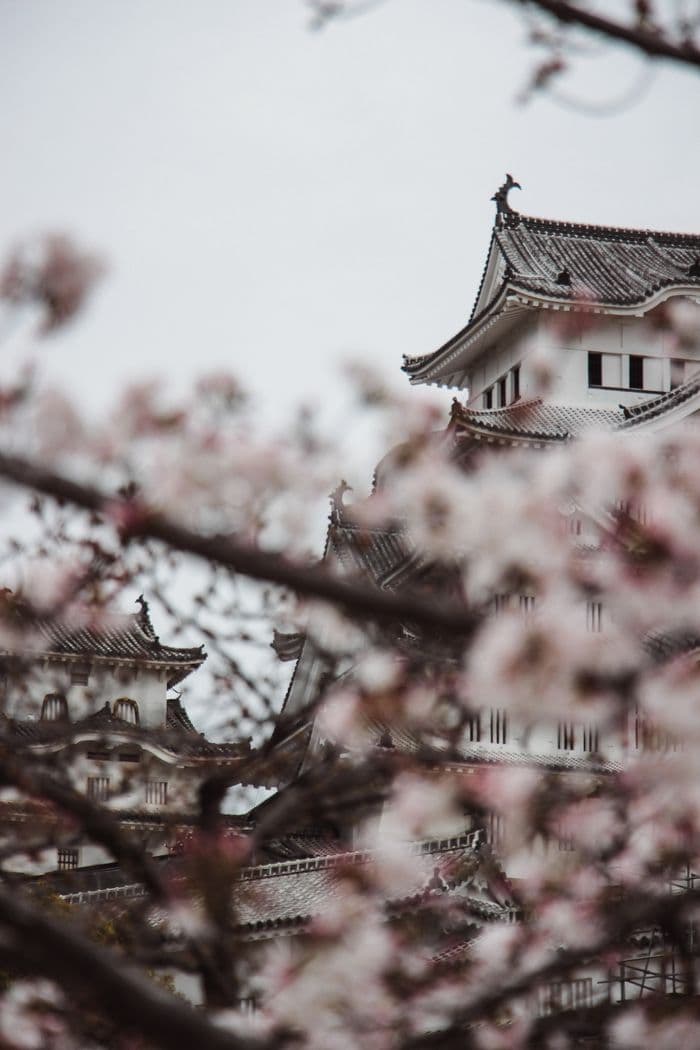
(53, 947)
(651, 42)
(137, 521)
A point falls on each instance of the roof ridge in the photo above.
(566, 226)
(469, 839)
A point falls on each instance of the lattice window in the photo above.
(566, 736)
(54, 708)
(156, 792)
(594, 617)
(67, 858)
(98, 788)
(498, 726)
(126, 709)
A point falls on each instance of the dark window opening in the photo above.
(595, 369)
(516, 383)
(636, 373)
(488, 398)
(502, 392)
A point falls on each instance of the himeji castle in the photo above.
(544, 282)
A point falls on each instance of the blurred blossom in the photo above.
(53, 273)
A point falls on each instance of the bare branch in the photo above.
(310, 581)
(652, 42)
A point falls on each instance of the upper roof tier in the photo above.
(544, 263)
(91, 636)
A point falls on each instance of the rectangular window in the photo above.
(515, 388)
(636, 373)
(129, 756)
(67, 859)
(595, 369)
(502, 392)
(594, 617)
(498, 725)
(565, 736)
(98, 788)
(156, 792)
(488, 398)
(527, 603)
(590, 739)
(500, 603)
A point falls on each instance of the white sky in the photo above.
(271, 199)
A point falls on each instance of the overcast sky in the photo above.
(271, 199)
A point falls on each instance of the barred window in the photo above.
(126, 709)
(495, 829)
(98, 788)
(500, 603)
(472, 728)
(590, 739)
(67, 858)
(498, 726)
(576, 994)
(594, 617)
(54, 708)
(156, 792)
(566, 737)
(527, 603)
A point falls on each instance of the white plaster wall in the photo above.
(553, 336)
(24, 697)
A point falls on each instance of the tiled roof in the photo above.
(576, 262)
(665, 645)
(291, 893)
(90, 635)
(535, 420)
(374, 552)
(544, 262)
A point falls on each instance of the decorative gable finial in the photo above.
(501, 197)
